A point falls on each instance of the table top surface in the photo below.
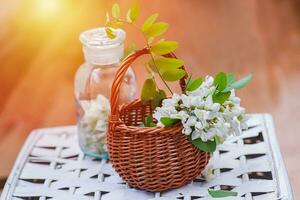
(51, 165)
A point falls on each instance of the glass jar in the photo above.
(93, 82)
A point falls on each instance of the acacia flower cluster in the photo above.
(200, 116)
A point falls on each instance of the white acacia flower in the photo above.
(199, 126)
(173, 101)
(235, 100)
(215, 107)
(191, 121)
(209, 135)
(196, 101)
(209, 81)
(187, 130)
(236, 126)
(183, 116)
(186, 101)
(208, 102)
(201, 117)
(196, 134)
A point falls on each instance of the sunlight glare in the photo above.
(48, 8)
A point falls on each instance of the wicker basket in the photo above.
(149, 158)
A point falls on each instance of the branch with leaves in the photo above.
(167, 69)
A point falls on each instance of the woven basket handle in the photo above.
(115, 89)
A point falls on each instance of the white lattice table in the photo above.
(51, 166)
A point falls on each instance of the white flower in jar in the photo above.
(96, 113)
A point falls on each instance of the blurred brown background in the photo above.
(40, 51)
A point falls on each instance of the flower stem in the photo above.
(152, 57)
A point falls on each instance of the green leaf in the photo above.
(221, 193)
(242, 82)
(221, 97)
(230, 78)
(220, 81)
(110, 33)
(168, 121)
(156, 29)
(133, 12)
(148, 90)
(152, 124)
(148, 121)
(164, 47)
(208, 146)
(114, 24)
(194, 84)
(128, 50)
(157, 98)
(115, 11)
(172, 74)
(149, 21)
(163, 63)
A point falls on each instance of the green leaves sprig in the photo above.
(225, 83)
(167, 69)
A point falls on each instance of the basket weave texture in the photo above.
(149, 158)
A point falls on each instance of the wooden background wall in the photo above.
(40, 51)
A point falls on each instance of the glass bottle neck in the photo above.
(104, 55)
